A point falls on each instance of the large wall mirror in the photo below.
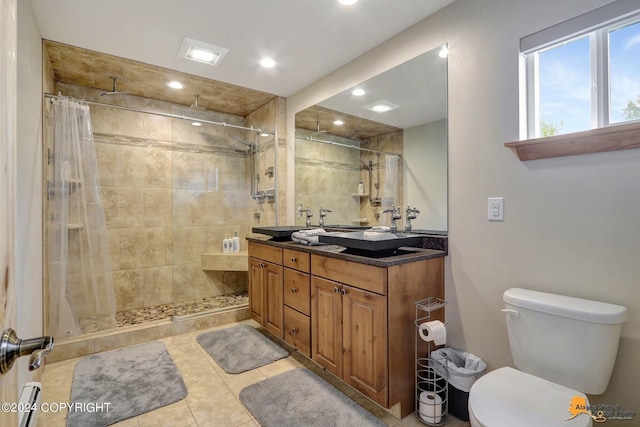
(380, 143)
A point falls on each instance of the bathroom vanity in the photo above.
(351, 314)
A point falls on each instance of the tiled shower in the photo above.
(171, 191)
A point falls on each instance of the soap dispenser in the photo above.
(235, 242)
(226, 244)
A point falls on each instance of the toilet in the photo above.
(562, 347)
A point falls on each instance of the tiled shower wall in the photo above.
(171, 191)
(327, 176)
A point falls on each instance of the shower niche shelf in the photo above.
(235, 261)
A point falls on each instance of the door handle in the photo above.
(11, 348)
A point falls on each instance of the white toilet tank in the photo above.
(569, 341)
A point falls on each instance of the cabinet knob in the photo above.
(293, 259)
(294, 331)
(343, 291)
(336, 289)
(294, 290)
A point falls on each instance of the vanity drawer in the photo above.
(265, 252)
(296, 260)
(297, 330)
(363, 276)
(297, 290)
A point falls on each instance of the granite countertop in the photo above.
(409, 254)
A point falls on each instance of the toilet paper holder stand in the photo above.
(431, 376)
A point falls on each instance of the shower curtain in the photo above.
(80, 290)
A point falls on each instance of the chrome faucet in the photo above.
(323, 213)
(11, 348)
(395, 215)
(309, 215)
(411, 214)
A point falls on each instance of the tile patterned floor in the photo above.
(213, 394)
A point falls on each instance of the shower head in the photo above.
(318, 131)
(114, 91)
(196, 106)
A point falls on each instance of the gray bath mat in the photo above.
(126, 382)
(301, 398)
(240, 348)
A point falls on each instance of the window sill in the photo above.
(612, 138)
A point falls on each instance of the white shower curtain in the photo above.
(80, 290)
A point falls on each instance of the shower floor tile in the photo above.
(160, 312)
(213, 394)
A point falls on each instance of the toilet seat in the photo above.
(508, 397)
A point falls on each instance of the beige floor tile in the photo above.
(175, 415)
(131, 422)
(213, 394)
(222, 410)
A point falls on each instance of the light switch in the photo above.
(496, 209)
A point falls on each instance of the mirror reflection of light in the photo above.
(444, 52)
(196, 124)
(338, 122)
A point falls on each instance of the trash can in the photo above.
(464, 369)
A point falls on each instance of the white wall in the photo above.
(425, 174)
(571, 224)
(29, 180)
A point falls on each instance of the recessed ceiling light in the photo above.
(202, 52)
(338, 122)
(381, 106)
(444, 52)
(267, 62)
(175, 85)
(358, 92)
(347, 2)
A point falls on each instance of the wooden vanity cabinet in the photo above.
(266, 299)
(297, 300)
(362, 324)
(349, 326)
(356, 320)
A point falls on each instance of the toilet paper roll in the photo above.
(430, 408)
(433, 331)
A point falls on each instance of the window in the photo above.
(583, 78)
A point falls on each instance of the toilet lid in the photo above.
(508, 397)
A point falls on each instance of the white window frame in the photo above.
(596, 24)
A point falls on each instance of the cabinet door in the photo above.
(365, 343)
(256, 290)
(274, 311)
(326, 324)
